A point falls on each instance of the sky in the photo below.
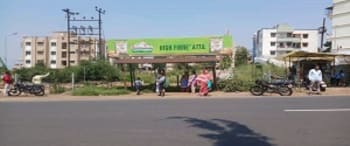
(156, 18)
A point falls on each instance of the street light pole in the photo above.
(5, 43)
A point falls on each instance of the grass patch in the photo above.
(98, 91)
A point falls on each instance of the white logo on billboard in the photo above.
(216, 44)
(122, 47)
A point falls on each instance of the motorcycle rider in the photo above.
(315, 77)
(7, 79)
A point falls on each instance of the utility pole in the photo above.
(84, 30)
(322, 30)
(100, 11)
(68, 14)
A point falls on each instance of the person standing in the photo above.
(315, 77)
(339, 77)
(138, 85)
(192, 82)
(160, 82)
(184, 83)
(7, 79)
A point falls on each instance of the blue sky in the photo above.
(158, 18)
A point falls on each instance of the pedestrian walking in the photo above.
(203, 80)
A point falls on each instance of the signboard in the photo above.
(170, 46)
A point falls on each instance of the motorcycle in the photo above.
(323, 86)
(35, 89)
(282, 87)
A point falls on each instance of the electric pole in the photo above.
(100, 11)
(322, 30)
(68, 14)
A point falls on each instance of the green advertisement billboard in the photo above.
(170, 46)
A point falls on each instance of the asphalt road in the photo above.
(312, 121)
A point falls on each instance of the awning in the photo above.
(298, 55)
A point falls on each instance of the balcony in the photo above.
(53, 49)
(287, 49)
(28, 57)
(28, 48)
(288, 39)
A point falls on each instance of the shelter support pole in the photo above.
(214, 78)
(333, 68)
(131, 76)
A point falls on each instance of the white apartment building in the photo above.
(52, 51)
(340, 16)
(282, 39)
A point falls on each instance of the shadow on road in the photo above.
(227, 133)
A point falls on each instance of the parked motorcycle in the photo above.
(35, 89)
(282, 87)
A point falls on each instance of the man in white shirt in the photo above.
(315, 77)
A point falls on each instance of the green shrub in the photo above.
(57, 89)
(234, 84)
(97, 91)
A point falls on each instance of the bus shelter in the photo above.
(302, 61)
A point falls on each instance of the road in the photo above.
(268, 121)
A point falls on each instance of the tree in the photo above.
(225, 63)
(241, 56)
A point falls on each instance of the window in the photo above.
(40, 52)
(64, 63)
(64, 45)
(289, 35)
(64, 54)
(53, 53)
(53, 61)
(273, 35)
(27, 61)
(72, 61)
(53, 44)
(281, 45)
(289, 44)
(72, 52)
(305, 44)
(297, 45)
(273, 43)
(40, 43)
(28, 44)
(272, 52)
(28, 53)
(40, 62)
(305, 36)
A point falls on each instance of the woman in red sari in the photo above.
(202, 81)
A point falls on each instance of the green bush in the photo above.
(97, 91)
(88, 70)
(244, 76)
(234, 84)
